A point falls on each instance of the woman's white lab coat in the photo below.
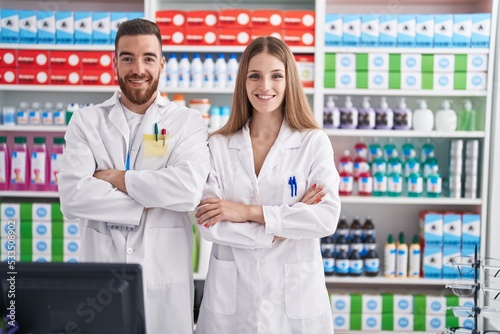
(163, 184)
(255, 285)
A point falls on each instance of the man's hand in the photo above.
(113, 176)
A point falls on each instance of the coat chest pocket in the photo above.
(291, 189)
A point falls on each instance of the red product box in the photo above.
(299, 19)
(91, 77)
(8, 76)
(32, 76)
(97, 60)
(33, 59)
(275, 32)
(267, 18)
(65, 59)
(171, 18)
(173, 35)
(202, 18)
(298, 37)
(202, 36)
(60, 76)
(8, 58)
(236, 18)
(305, 67)
(233, 36)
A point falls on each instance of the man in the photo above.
(133, 167)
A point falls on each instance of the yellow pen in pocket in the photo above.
(154, 148)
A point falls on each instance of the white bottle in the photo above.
(184, 69)
(415, 254)
(22, 114)
(446, 118)
(47, 114)
(172, 71)
(196, 75)
(366, 115)
(220, 72)
(60, 114)
(348, 115)
(232, 70)
(384, 115)
(208, 71)
(423, 117)
(401, 257)
(35, 114)
(331, 114)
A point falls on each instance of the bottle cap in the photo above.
(178, 97)
(390, 239)
(366, 102)
(348, 102)
(3, 139)
(20, 140)
(39, 140)
(402, 238)
(383, 103)
(415, 239)
(402, 103)
(58, 140)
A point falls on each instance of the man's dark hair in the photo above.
(137, 27)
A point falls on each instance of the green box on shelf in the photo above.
(356, 322)
(356, 303)
(387, 322)
(361, 62)
(427, 63)
(329, 79)
(419, 323)
(394, 62)
(394, 80)
(330, 61)
(460, 81)
(420, 305)
(427, 80)
(460, 63)
(361, 79)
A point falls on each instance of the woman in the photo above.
(272, 193)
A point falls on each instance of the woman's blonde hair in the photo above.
(296, 109)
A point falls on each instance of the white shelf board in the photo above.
(223, 49)
(32, 128)
(62, 47)
(380, 280)
(409, 200)
(402, 133)
(364, 49)
(401, 92)
(205, 90)
(59, 88)
(29, 194)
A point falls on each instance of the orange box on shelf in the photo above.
(299, 19)
(171, 18)
(234, 36)
(275, 32)
(8, 58)
(33, 59)
(62, 76)
(202, 36)
(65, 59)
(8, 76)
(267, 18)
(298, 37)
(97, 60)
(32, 76)
(202, 18)
(92, 77)
(173, 35)
(237, 18)
(305, 67)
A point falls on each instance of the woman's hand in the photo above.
(213, 210)
(313, 195)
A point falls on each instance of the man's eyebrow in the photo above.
(150, 54)
(125, 53)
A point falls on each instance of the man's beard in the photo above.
(136, 96)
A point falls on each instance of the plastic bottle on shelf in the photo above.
(371, 261)
(379, 179)
(433, 183)
(22, 113)
(4, 164)
(423, 117)
(348, 115)
(331, 114)
(467, 117)
(328, 261)
(415, 254)
(360, 162)
(196, 72)
(39, 165)
(342, 262)
(429, 165)
(35, 114)
(368, 228)
(415, 184)
(19, 165)
(394, 184)
(179, 100)
(232, 70)
(427, 149)
(366, 115)
(48, 114)
(365, 181)
(172, 72)
(412, 165)
(342, 226)
(355, 228)
(401, 257)
(8, 115)
(394, 164)
(55, 158)
(184, 70)
(208, 71)
(446, 118)
(59, 114)
(389, 148)
(384, 119)
(220, 72)
(373, 152)
(390, 257)
(346, 184)
(408, 150)
(70, 109)
(402, 116)
(355, 260)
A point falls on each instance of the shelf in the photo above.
(409, 200)
(29, 194)
(204, 90)
(403, 133)
(400, 92)
(33, 128)
(380, 280)
(419, 50)
(59, 88)
(62, 47)
(223, 49)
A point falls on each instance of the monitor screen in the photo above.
(73, 297)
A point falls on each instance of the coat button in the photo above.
(129, 251)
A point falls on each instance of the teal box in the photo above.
(65, 27)
(116, 19)
(46, 24)
(101, 28)
(462, 30)
(431, 229)
(452, 229)
(406, 30)
(10, 25)
(443, 30)
(388, 31)
(333, 30)
(471, 228)
(424, 31)
(432, 262)
(369, 30)
(83, 28)
(481, 26)
(27, 26)
(450, 252)
(352, 30)
(468, 251)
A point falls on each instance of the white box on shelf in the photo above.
(378, 80)
(444, 63)
(388, 30)
(371, 303)
(341, 303)
(345, 79)
(462, 30)
(46, 24)
(341, 321)
(9, 26)
(403, 303)
(351, 30)
(27, 26)
(403, 322)
(443, 30)
(435, 305)
(41, 229)
(369, 30)
(411, 62)
(449, 253)
(83, 28)
(65, 27)
(452, 229)
(406, 30)
(333, 30)
(424, 30)
(443, 81)
(471, 229)
(411, 80)
(481, 29)
(378, 61)
(345, 62)
(432, 261)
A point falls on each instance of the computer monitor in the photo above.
(74, 297)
